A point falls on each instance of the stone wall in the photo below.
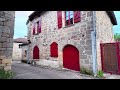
(17, 52)
(104, 32)
(6, 38)
(78, 35)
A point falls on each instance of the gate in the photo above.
(110, 57)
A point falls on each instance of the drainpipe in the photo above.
(94, 50)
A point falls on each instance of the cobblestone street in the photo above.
(25, 71)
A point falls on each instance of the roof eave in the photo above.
(112, 17)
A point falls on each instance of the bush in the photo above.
(117, 36)
(100, 74)
(6, 74)
(86, 71)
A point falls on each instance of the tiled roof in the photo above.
(20, 40)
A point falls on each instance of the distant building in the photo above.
(17, 50)
(24, 48)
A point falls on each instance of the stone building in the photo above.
(69, 39)
(17, 50)
(24, 48)
(7, 19)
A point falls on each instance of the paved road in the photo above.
(25, 71)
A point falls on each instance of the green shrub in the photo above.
(86, 71)
(6, 74)
(100, 74)
(117, 36)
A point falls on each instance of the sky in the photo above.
(22, 16)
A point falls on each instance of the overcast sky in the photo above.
(22, 16)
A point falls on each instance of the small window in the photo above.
(54, 49)
(25, 55)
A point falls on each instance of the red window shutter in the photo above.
(54, 49)
(77, 16)
(59, 17)
(33, 29)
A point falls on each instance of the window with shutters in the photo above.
(54, 49)
(72, 17)
(37, 29)
(59, 18)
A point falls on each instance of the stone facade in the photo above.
(78, 35)
(104, 32)
(6, 38)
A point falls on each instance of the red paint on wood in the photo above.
(36, 53)
(77, 16)
(59, 17)
(110, 61)
(54, 49)
(71, 58)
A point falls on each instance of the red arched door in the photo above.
(36, 53)
(71, 58)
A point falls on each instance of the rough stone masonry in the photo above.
(7, 19)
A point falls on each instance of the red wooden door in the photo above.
(71, 58)
(36, 53)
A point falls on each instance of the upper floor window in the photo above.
(39, 26)
(33, 29)
(72, 17)
(68, 17)
(37, 30)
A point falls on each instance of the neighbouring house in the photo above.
(69, 39)
(7, 21)
(17, 50)
(24, 48)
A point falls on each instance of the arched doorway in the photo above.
(71, 58)
(36, 52)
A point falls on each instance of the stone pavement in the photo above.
(111, 76)
(26, 71)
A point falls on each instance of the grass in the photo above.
(6, 74)
(100, 74)
(86, 71)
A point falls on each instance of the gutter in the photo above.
(94, 50)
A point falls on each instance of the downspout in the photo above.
(94, 50)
